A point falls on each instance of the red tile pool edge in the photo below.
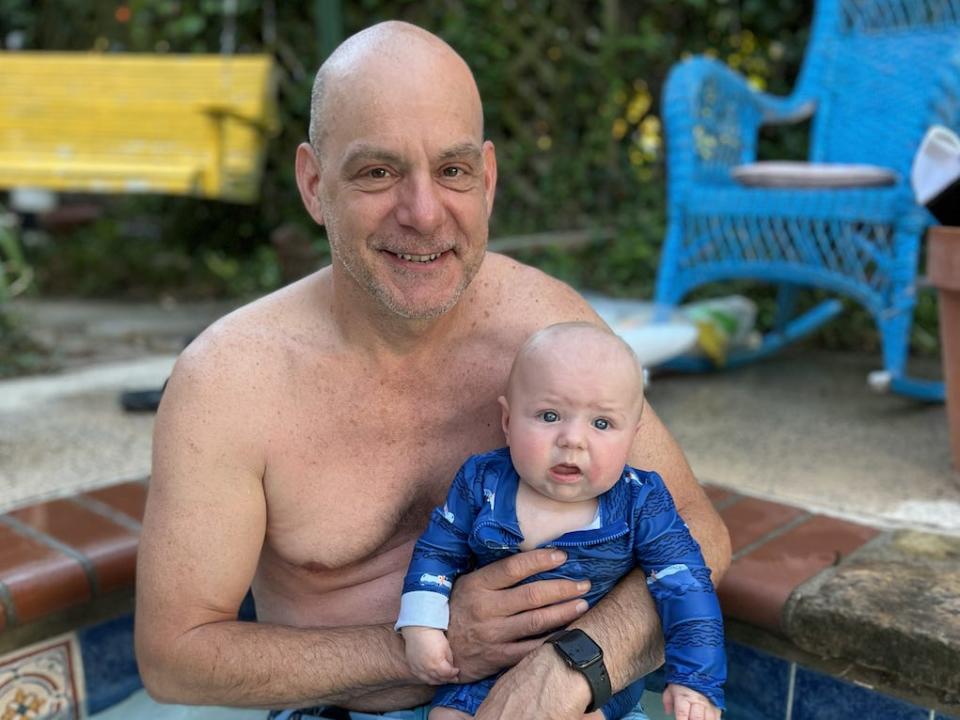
(776, 548)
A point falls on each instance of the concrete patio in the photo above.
(801, 428)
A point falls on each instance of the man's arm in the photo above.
(203, 530)
(625, 622)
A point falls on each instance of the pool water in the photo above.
(140, 706)
(760, 686)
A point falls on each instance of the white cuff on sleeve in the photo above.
(424, 609)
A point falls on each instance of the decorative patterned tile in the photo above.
(821, 697)
(42, 681)
(109, 665)
(757, 683)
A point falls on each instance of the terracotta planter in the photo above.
(943, 269)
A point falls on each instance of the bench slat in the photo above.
(182, 124)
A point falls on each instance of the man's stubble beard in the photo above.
(366, 279)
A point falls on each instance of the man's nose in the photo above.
(418, 204)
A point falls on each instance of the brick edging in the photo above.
(66, 552)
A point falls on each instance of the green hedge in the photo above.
(571, 95)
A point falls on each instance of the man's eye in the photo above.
(378, 173)
(601, 423)
(452, 172)
(549, 416)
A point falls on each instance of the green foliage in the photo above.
(144, 249)
(571, 97)
(16, 275)
(18, 352)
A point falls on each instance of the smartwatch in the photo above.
(581, 653)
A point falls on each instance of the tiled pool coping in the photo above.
(67, 556)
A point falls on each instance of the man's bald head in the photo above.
(377, 55)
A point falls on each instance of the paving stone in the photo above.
(895, 606)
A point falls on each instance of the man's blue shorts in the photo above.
(420, 713)
(335, 713)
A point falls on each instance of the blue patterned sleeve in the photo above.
(440, 555)
(679, 581)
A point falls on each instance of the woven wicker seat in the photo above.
(876, 75)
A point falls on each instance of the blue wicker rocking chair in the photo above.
(876, 75)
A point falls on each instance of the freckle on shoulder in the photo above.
(554, 299)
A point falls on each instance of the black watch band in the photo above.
(581, 653)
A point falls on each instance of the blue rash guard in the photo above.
(637, 525)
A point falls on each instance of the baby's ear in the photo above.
(505, 417)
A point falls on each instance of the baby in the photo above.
(570, 416)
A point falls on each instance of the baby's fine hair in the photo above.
(532, 343)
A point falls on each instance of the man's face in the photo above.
(406, 187)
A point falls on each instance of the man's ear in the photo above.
(505, 417)
(307, 170)
(489, 174)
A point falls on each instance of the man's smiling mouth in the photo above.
(418, 258)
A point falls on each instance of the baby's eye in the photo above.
(601, 423)
(549, 416)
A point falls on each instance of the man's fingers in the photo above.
(509, 571)
(540, 594)
(542, 620)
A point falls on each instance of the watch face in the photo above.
(581, 650)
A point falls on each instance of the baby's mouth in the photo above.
(566, 470)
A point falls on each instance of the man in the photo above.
(303, 439)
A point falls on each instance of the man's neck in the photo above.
(367, 326)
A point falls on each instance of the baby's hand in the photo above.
(688, 704)
(429, 655)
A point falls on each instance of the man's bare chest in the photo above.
(361, 476)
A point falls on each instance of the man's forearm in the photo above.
(625, 624)
(274, 666)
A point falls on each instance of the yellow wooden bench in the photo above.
(169, 124)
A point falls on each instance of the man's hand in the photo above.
(688, 704)
(429, 655)
(490, 619)
(539, 686)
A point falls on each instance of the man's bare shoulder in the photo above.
(528, 296)
(255, 343)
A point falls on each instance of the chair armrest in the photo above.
(946, 105)
(712, 118)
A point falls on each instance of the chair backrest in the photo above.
(876, 68)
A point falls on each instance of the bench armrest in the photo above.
(267, 124)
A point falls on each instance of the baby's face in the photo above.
(570, 419)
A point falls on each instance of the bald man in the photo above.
(303, 439)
